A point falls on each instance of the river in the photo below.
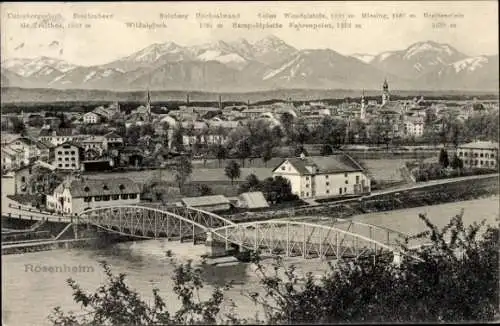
(29, 295)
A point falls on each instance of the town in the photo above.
(216, 156)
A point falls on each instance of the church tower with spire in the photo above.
(148, 106)
(385, 92)
(363, 106)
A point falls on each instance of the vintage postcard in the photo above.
(274, 162)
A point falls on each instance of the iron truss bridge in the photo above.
(290, 238)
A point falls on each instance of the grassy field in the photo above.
(198, 175)
(387, 170)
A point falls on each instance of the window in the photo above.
(357, 179)
(23, 179)
(105, 187)
(345, 189)
(307, 185)
(326, 176)
(460, 154)
(87, 199)
(327, 191)
(73, 165)
(122, 187)
(97, 198)
(115, 197)
(486, 155)
(347, 182)
(481, 155)
(492, 163)
(132, 196)
(283, 168)
(66, 165)
(72, 152)
(86, 189)
(340, 191)
(59, 159)
(59, 153)
(345, 174)
(72, 158)
(307, 194)
(481, 162)
(465, 154)
(301, 194)
(327, 183)
(124, 196)
(307, 178)
(66, 159)
(492, 156)
(105, 197)
(60, 165)
(66, 152)
(475, 154)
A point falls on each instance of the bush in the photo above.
(452, 279)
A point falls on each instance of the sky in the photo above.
(107, 39)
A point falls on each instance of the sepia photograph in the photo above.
(249, 162)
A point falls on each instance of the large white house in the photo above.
(76, 195)
(480, 154)
(328, 176)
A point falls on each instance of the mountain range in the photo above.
(269, 63)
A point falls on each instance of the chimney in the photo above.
(187, 99)
(248, 102)
(220, 102)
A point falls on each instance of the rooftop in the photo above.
(204, 200)
(100, 187)
(481, 145)
(338, 163)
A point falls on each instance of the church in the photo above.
(142, 114)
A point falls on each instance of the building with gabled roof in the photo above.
(326, 176)
(78, 194)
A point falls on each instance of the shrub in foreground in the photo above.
(454, 278)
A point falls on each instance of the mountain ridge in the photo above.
(264, 64)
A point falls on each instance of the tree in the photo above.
(18, 126)
(177, 138)
(220, 153)
(243, 150)
(267, 153)
(182, 170)
(443, 158)
(457, 163)
(232, 171)
(252, 183)
(205, 190)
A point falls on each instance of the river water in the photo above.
(30, 294)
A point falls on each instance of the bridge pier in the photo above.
(214, 248)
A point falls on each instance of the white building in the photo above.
(480, 154)
(414, 126)
(74, 196)
(67, 156)
(330, 176)
(91, 118)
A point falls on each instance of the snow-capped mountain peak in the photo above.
(470, 64)
(154, 52)
(366, 58)
(28, 66)
(429, 46)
